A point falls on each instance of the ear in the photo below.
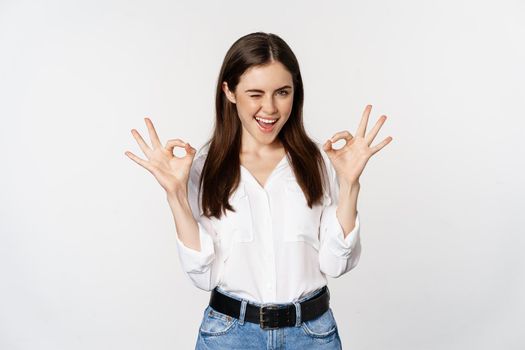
(229, 95)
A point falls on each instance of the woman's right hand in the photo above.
(171, 172)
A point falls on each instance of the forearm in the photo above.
(347, 205)
(185, 223)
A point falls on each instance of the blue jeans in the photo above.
(222, 332)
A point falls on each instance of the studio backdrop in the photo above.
(87, 240)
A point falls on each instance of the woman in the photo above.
(261, 214)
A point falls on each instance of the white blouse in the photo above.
(274, 249)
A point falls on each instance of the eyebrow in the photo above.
(281, 88)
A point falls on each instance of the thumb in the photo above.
(327, 148)
(190, 150)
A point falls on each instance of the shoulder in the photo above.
(330, 182)
(198, 164)
(320, 148)
(202, 151)
(326, 160)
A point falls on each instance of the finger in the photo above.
(190, 150)
(327, 147)
(373, 133)
(361, 130)
(329, 150)
(152, 134)
(379, 146)
(139, 161)
(171, 144)
(341, 135)
(142, 144)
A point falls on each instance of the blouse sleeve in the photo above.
(337, 255)
(199, 266)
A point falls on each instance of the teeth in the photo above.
(266, 120)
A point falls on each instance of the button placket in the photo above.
(269, 244)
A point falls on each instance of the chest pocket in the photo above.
(236, 226)
(301, 222)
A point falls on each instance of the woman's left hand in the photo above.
(350, 160)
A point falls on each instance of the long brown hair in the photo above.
(220, 174)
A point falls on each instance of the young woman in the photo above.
(262, 215)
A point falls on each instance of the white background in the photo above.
(87, 240)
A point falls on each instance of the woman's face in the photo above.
(264, 92)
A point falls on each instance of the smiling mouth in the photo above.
(266, 126)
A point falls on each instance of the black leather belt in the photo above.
(272, 316)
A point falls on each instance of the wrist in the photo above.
(349, 186)
(178, 195)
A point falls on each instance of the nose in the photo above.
(268, 105)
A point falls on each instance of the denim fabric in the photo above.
(222, 332)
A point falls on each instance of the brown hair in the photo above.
(220, 174)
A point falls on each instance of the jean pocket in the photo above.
(321, 327)
(301, 222)
(237, 226)
(215, 323)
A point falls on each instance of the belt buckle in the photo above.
(263, 321)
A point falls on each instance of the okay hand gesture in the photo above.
(171, 172)
(350, 160)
